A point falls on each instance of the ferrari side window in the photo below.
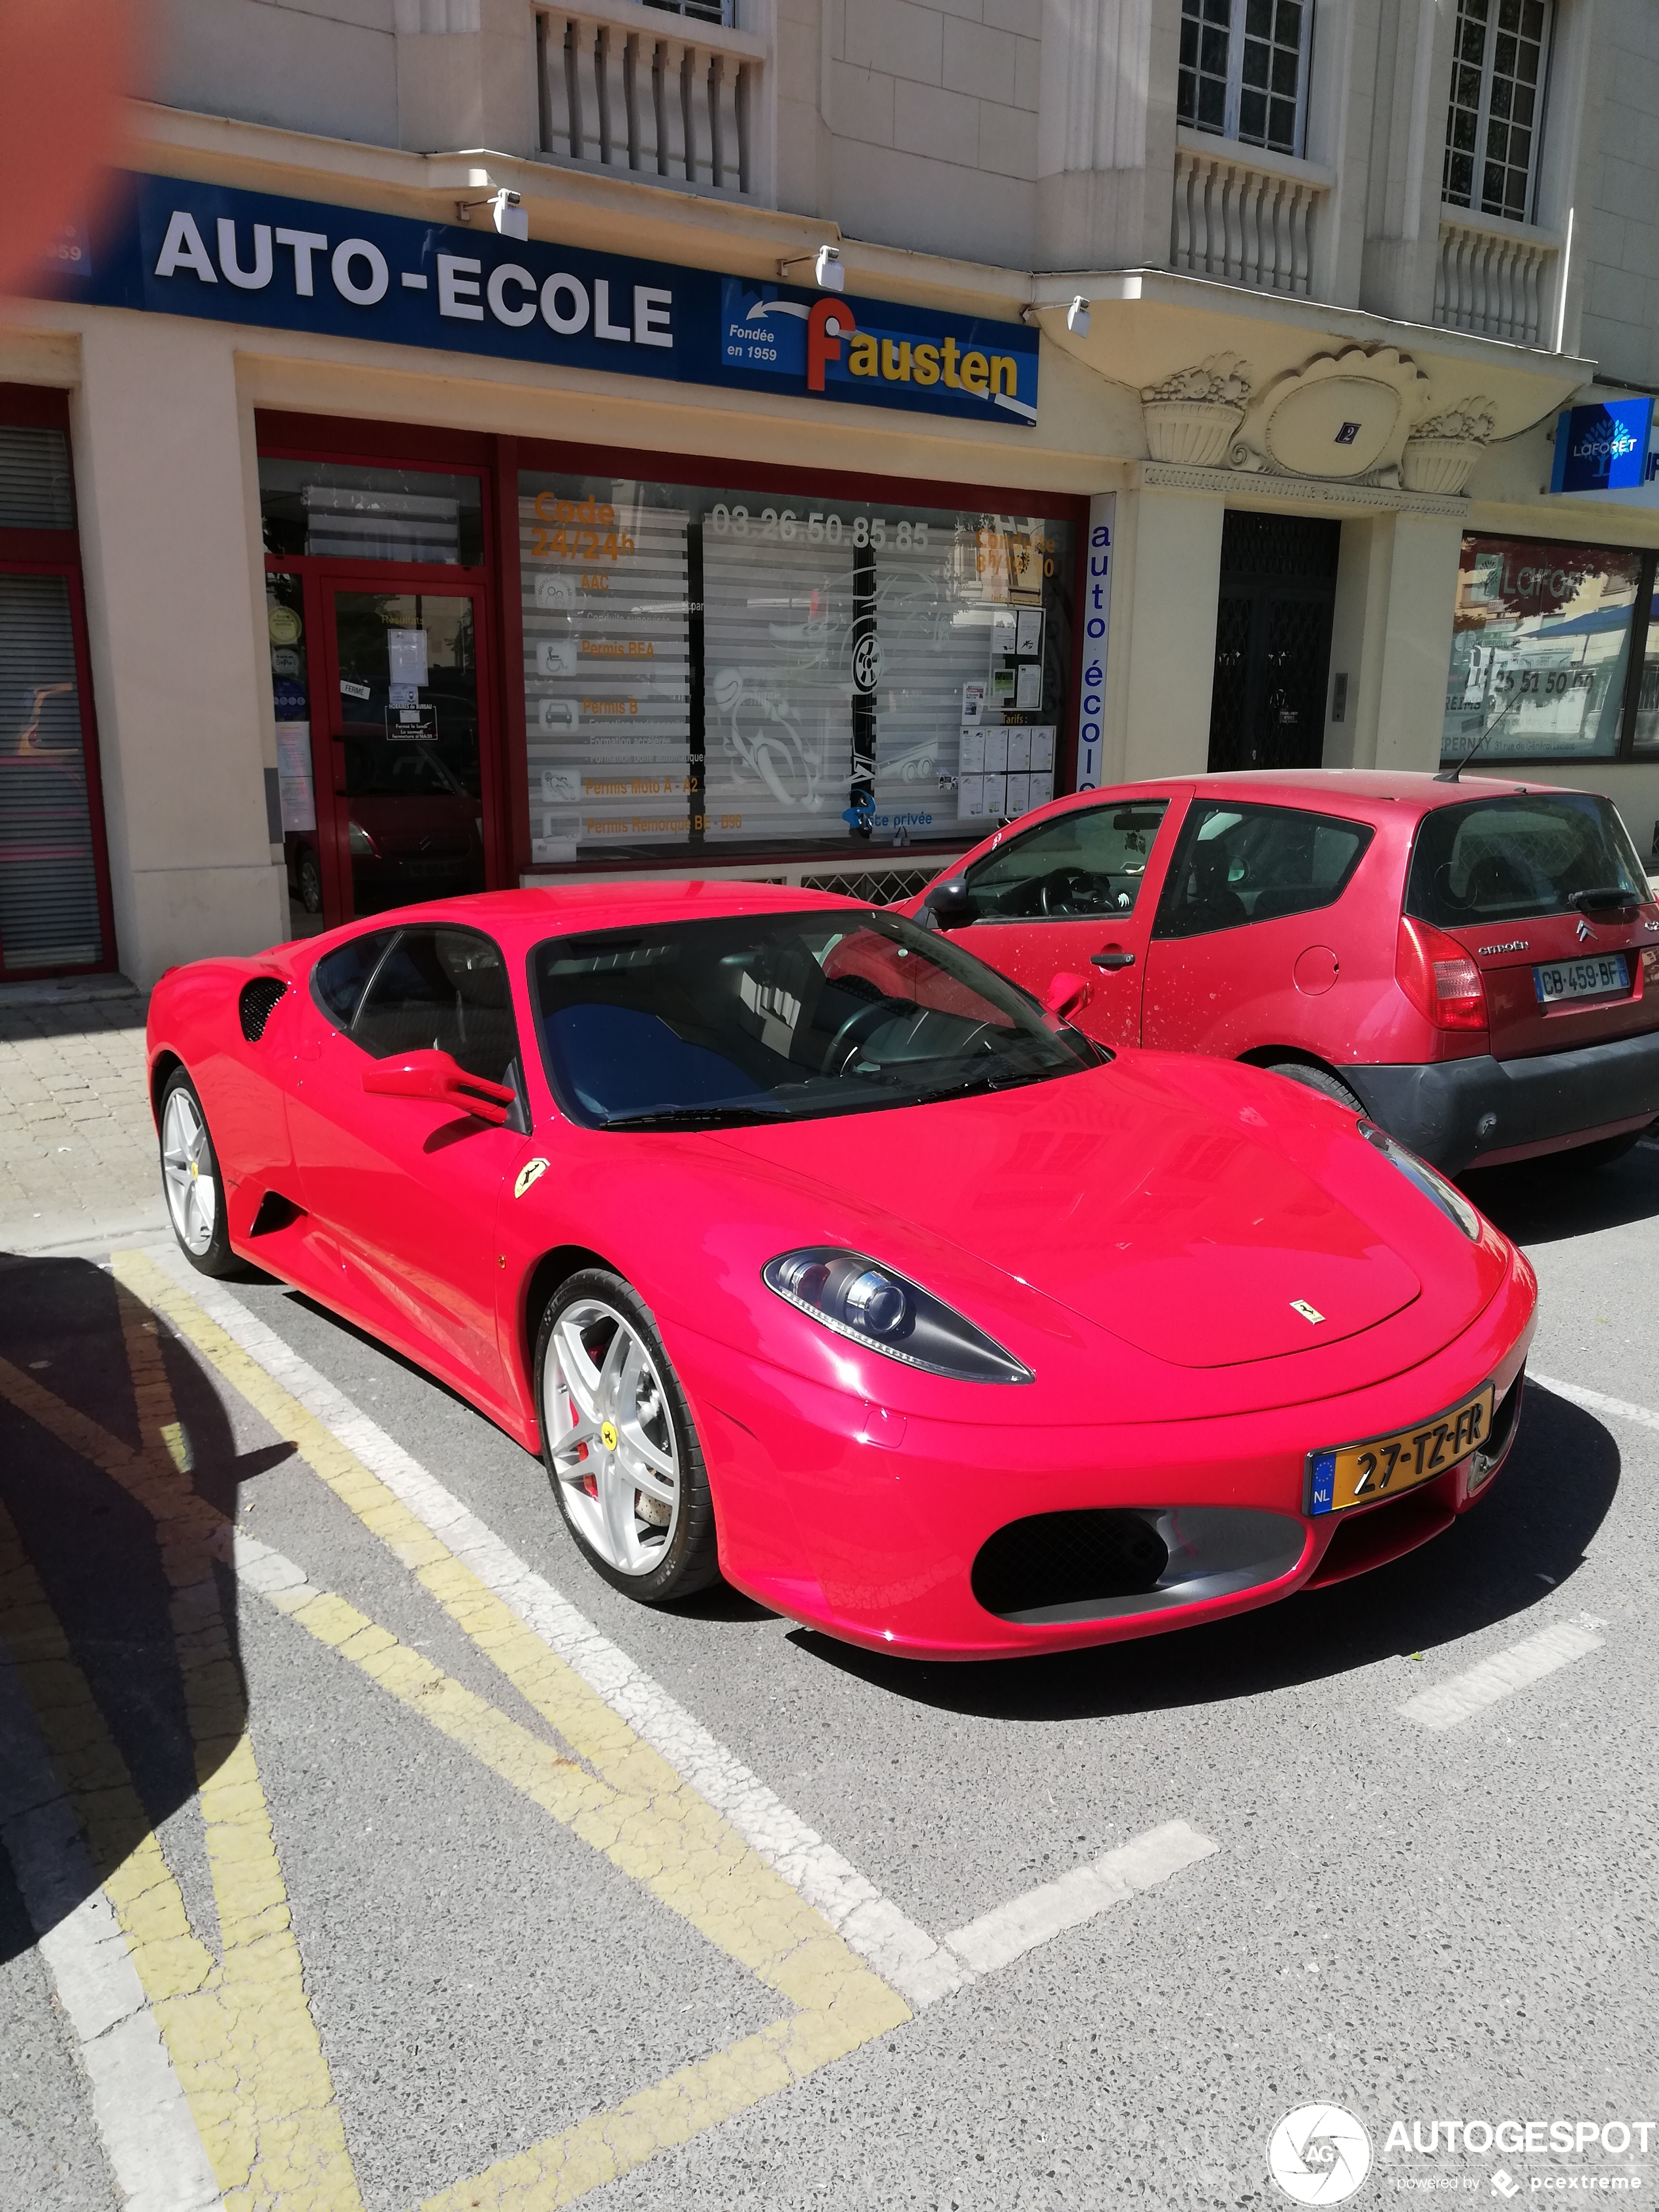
(442, 988)
(1071, 867)
(1239, 864)
(338, 978)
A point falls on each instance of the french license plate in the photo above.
(1580, 979)
(1361, 1475)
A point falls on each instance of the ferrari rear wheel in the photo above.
(189, 1176)
(619, 1443)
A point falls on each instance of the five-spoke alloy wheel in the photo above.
(189, 1176)
(620, 1447)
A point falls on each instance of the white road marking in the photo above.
(1616, 1409)
(901, 1951)
(1020, 1926)
(149, 2136)
(1505, 1672)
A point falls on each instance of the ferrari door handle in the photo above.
(1112, 960)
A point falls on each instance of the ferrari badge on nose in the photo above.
(1308, 1313)
(531, 1171)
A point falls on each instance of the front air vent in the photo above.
(258, 1002)
(1077, 1560)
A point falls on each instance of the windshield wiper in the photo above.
(1602, 895)
(692, 1117)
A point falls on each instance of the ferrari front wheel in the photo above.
(189, 1176)
(619, 1443)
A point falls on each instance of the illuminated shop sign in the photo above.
(1608, 450)
(174, 248)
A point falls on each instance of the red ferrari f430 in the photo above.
(807, 1249)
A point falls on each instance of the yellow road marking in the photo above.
(649, 1822)
(240, 2034)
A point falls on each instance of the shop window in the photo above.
(54, 897)
(1244, 69)
(734, 672)
(1500, 54)
(1541, 650)
(50, 909)
(337, 512)
(36, 492)
(1645, 704)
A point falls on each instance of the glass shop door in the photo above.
(412, 747)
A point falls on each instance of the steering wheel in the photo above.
(1068, 890)
(861, 1023)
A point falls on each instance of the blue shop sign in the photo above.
(174, 248)
(1604, 447)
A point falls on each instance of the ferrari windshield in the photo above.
(777, 1016)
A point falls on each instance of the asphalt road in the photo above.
(428, 1911)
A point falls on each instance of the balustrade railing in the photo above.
(1495, 280)
(1243, 221)
(652, 94)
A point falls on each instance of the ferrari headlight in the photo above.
(1433, 1185)
(888, 1313)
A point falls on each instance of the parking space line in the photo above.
(1616, 1409)
(604, 1706)
(240, 2031)
(998, 1937)
(1505, 1672)
(152, 2142)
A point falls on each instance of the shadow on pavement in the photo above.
(1543, 1202)
(92, 1546)
(1490, 1566)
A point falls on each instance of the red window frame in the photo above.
(497, 459)
(58, 553)
(380, 446)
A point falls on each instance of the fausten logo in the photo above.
(896, 356)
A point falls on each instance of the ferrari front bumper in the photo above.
(876, 1527)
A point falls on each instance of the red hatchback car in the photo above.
(1473, 964)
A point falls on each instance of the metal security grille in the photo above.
(1243, 69)
(1272, 642)
(35, 489)
(1501, 50)
(49, 910)
(876, 887)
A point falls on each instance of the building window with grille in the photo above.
(1493, 126)
(1244, 69)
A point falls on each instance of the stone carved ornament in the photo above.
(1442, 449)
(1193, 415)
(1341, 418)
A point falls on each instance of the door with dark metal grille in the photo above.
(1273, 645)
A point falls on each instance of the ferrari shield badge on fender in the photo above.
(531, 1171)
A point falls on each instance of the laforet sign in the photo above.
(171, 247)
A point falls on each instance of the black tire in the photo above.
(1316, 1079)
(1603, 1152)
(214, 1257)
(690, 1560)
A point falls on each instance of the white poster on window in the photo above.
(406, 652)
(294, 785)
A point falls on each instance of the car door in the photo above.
(408, 1189)
(1254, 942)
(1076, 892)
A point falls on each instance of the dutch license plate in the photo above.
(1580, 979)
(1361, 1475)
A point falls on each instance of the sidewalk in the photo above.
(77, 1148)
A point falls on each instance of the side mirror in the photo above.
(440, 1078)
(949, 903)
(1066, 994)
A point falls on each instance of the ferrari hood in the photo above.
(1201, 1237)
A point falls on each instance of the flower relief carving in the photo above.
(1192, 416)
(1442, 449)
